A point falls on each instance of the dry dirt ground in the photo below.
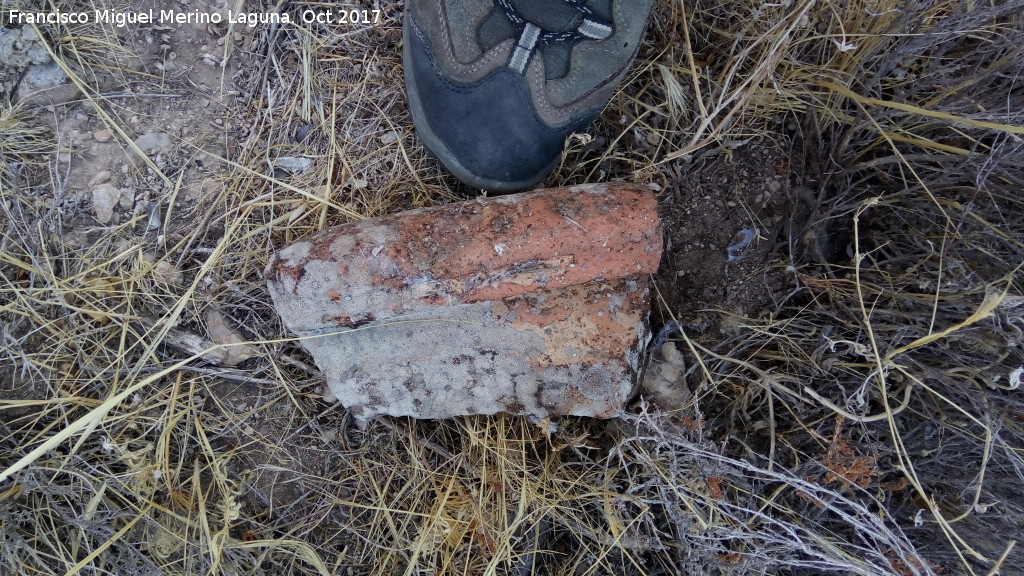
(139, 218)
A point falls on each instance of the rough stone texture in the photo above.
(104, 200)
(532, 303)
(153, 141)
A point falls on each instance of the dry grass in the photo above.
(872, 425)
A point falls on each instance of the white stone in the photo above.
(293, 165)
(104, 198)
(127, 199)
(153, 141)
(38, 79)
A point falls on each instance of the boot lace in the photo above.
(530, 35)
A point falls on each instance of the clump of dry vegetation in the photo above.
(872, 422)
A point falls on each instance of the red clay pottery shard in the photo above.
(533, 303)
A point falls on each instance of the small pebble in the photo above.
(292, 164)
(104, 198)
(164, 272)
(127, 199)
(101, 177)
(153, 141)
(154, 217)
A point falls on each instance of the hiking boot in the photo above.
(496, 86)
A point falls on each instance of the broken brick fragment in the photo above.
(532, 303)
